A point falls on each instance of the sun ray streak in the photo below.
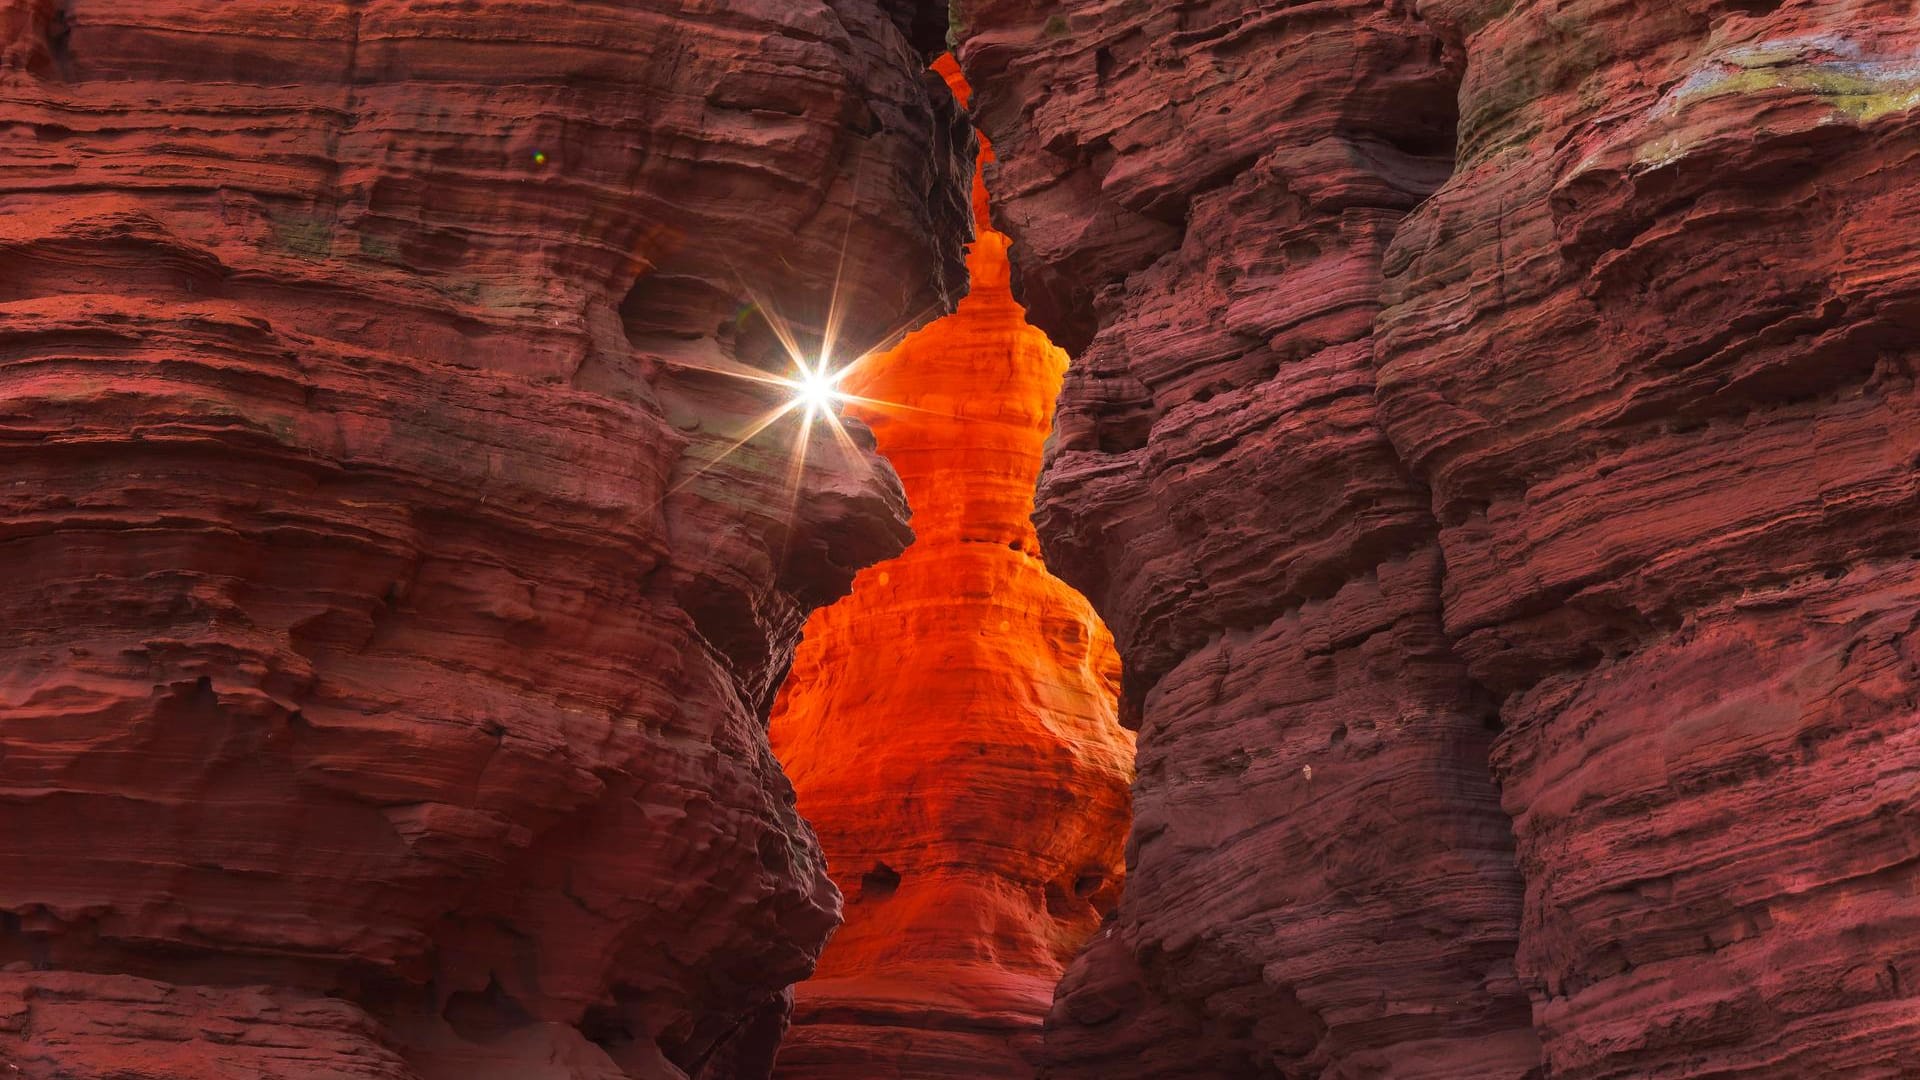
(782, 330)
(767, 420)
(743, 372)
(893, 406)
(893, 336)
(835, 310)
(796, 477)
(813, 394)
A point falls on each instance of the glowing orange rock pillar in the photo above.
(950, 727)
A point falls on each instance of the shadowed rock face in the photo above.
(1605, 446)
(1654, 347)
(1320, 875)
(381, 687)
(951, 729)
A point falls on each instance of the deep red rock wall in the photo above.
(381, 686)
(1601, 444)
(1654, 347)
(1321, 877)
(951, 727)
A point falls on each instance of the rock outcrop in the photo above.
(387, 637)
(950, 727)
(1653, 347)
(1607, 448)
(1321, 877)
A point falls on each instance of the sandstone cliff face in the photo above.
(1321, 878)
(950, 727)
(1654, 348)
(380, 687)
(1613, 434)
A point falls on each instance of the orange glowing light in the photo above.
(951, 727)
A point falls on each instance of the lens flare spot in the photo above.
(814, 390)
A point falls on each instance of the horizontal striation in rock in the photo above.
(1320, 877)
(951, 727)
(1653, 349)
(376, 640)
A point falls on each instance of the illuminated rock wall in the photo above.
(950, 727)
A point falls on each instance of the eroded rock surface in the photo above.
(382, 673)
(1654, 348)
(1321, 879)
(951, 726)
(1607, 447)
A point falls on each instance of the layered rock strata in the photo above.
(1653, 347)
(386, 635)
(1321, 881)
(950, 727)
(1618, 418)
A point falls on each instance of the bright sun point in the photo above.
(815, 389)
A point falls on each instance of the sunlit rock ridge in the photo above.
(951, 727)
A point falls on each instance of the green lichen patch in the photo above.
(306, 236)
(1855, 90)
(380, 249)
(1863, 91)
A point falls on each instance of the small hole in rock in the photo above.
(879, 882)
(485, 1015)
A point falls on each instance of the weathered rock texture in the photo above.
(1609, 447)
(1321, 878)
(380, 688)
(1654, 349)
(951, 728)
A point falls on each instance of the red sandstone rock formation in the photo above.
(1614, 435)
(1321, 878)
(950, 727)
(379, 686)
(1654, 349)
(379, 691)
